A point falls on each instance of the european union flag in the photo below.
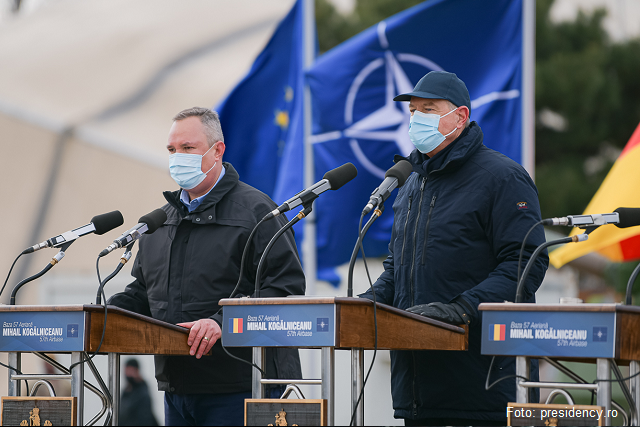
(260, 116)
(356, 120)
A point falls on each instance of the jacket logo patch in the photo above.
(522, 205)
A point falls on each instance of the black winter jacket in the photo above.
(192, 261)
(459, 222)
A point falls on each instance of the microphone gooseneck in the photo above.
(394, 178)
(147, 224)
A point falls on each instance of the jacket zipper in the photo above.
(415, 233)
(404, 239)
(426, 228)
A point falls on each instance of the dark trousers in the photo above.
(210, 409)
(204, 409)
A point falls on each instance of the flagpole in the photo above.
(309, 248)
(528, 85)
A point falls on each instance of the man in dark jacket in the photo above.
(459, 223)
(186, 266)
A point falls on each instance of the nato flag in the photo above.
(356, 120)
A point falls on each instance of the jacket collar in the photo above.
(449, 159)
(228, 181)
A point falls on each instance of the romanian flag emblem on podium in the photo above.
(235, 325)
(497, 332)
(618, 190)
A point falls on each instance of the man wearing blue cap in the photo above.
(459, 223)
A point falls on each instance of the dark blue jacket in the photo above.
(459, 222)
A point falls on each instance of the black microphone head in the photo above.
(400, 171)
(629, 217)
(107, 222)
(154, 220)
(341, 175)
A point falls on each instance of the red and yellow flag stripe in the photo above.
(619, 189)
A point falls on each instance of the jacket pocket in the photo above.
(426, 228)
(404, 231)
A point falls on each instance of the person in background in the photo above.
(135, 401)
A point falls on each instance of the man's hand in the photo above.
(203, 335)
(452, 313)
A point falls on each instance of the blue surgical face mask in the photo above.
(424, 133)
(186, 169)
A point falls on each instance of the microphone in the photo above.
(332, 180)
(393, 178)
(146, 224)
(99, 225)
(621, 218)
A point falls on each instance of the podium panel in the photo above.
(343, 323)
(584, 331)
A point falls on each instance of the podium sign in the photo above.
(50, 331)
(549, 333)
(309, 325)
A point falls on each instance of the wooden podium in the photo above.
(600, 333)
(330, 323)
(77, 329)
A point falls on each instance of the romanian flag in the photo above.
(497, 332)
(619, 189)
(235, 325)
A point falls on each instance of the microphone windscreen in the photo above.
(629, 217)
(400, 171)
(107, 222)
(341, 175)
(153, 220)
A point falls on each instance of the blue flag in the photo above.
(356, 120)
(260, 117)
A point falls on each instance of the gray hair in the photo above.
(209, 119)
(453, 107)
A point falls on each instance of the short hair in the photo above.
(453, 107)
(209, 119)
(133, 363)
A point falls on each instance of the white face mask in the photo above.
(186, 169)
(424, 133)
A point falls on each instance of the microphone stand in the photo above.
(630, 283)
(123, 260)
(308, 207)
(539, 249)
(56, 259)
(376, 214)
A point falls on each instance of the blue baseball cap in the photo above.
(440, 85)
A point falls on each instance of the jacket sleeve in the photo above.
(385, 285)
(512, 211)
(134, 298)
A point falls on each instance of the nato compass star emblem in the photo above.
(599, 334)
(322, 324)
(72, 330)
(390, 122)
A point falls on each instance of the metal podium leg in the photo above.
(77, 383)
(256, 376)
(603, 372)
(114, 386)
(357, 379)
(522, 370)
(328, 381)
(15, 361)
(634, 368)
